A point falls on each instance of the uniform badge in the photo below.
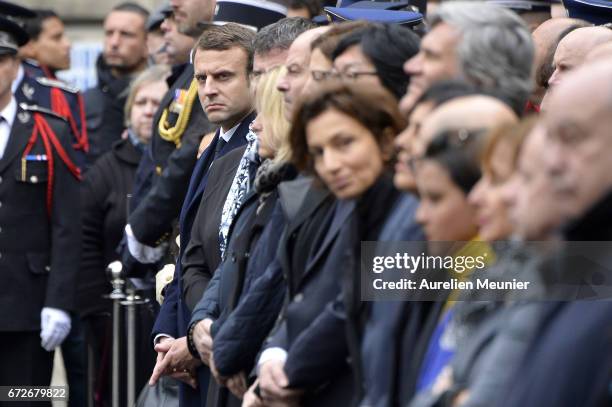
(177, 105)
(28, 90)
(23, 117)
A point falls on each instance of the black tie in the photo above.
(220, 144)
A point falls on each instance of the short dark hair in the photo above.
(280, 35)
(458, 152)
(132, 8)
(33, 26)
(328, 43)
(224, 37)
(387, 46)
(382, 118)
(314, 7)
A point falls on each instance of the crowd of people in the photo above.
(234, 156)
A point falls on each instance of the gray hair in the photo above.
(154, 73)
(280, 35)
(495, 52)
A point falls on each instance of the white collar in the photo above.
(227, 135)
(18, 79)
(9, 112)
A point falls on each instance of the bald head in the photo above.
(573, 49)
(600, 52)
(545, 39)
(469, 113)
(292, 82)
(580, 139)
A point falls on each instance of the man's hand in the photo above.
(222, 380)
(251, 399)
(273, 384)
(174, 359)
(237, 384)
(202, 339)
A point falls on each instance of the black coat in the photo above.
(240, 338)
(104, 213)
(104, 106)
(164, 174)
(39, 252)
(334, 335)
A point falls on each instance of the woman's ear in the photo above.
(387, 146)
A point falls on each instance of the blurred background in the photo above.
(83, 20)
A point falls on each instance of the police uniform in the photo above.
(58, 97)
(39, 229)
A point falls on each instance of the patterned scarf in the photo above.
(240, 187)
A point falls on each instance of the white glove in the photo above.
(54, 327)
(141, 252)
(162, 279)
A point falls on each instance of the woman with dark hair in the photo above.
(375, 56)
(445, 175)
(347, 144)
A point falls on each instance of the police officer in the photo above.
(36, 84)
(39, 227)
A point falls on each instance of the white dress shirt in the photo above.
(7, 117)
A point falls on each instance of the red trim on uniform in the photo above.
(49, 139)
(60, 105)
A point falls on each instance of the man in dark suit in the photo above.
(223, 62)
(39, 228)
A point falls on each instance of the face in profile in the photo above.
(409, 148)
(346, 155)
(266, 148)
(533, 204)
(354, 67)
(436, 61)
(444, 211)
(492, 212)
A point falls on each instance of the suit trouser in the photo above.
(23, 362)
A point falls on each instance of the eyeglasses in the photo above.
(323, 75)
(354, 75)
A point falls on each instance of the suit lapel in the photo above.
(18, 139)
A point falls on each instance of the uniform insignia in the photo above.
(28, 90)
(54, 83)
(39, 109)
(23, 117)
(178, 103)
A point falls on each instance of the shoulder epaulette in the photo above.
(39, 109)
(54, 83)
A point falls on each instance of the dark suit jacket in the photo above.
(202, 255)
(242, 334)
(39, 254)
